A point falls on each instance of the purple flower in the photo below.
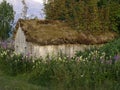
(11, 44)
(4, 45)
(7, 44)
(117, 57)
(28, 54)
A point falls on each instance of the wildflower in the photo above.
(117, 57)
(15, 53)
(103, 54)
(60, 59)
(101, 57)
(12, 55)
(33, 61)
(80, 58)
(4, 53)
(4, 45)
(82, 75)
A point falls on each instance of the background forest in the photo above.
(90, 15)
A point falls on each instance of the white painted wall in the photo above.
(53, 50)
(20, 42)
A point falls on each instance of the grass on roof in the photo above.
(45, 32)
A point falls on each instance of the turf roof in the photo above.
(46, 32)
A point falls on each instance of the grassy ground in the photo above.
(20, 83)
(17, 83)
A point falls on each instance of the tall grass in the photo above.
(76, 73)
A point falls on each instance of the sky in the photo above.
(39, 1)
(35, 8)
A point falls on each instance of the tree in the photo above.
(79, 14)
(92, 15)
(115, 15)
(6, 19)
(70, 11)
(111, 14)
(24, 10)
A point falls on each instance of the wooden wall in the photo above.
(53, 50)
(20, 42)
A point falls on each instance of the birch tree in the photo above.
(24, 10)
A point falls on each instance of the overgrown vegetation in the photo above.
(97, 68)
(90, 15)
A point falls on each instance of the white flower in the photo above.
(82, 75)
(80, 58)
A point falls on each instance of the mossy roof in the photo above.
(49, 32)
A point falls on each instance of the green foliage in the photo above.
(6, 18)
(92, 15)
(115, 16)
(74, 73)
(108, 50)
(112, 48)
(14, 64)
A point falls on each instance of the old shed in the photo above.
(44, 37)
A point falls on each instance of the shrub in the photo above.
(13, 64)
